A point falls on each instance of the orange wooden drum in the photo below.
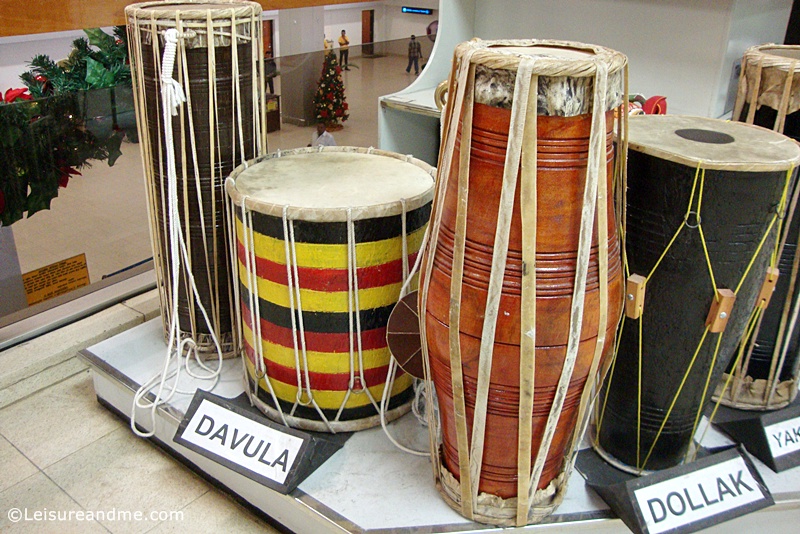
(522, 281)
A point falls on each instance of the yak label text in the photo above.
(784, 437)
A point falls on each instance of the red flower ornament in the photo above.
(13, 94)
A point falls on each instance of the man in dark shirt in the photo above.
(414, 54)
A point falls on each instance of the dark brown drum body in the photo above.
(561, 150)
(218, 128)
(703, 207)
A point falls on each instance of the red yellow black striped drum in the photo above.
(325, 238)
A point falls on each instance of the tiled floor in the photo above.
(60, 451)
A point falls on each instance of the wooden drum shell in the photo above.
(562, 149)
(206, 149)
(572, 143)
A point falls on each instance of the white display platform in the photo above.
(369, 485)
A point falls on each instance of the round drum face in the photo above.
(186, 6)
(788, 52)
(714, 143)
(556, 52)
(332, 180)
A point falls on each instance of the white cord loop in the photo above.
(171, 91)
(172, 96)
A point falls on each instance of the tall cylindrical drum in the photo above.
(521, 284)
(325, 241)
(766, 375)
(705, 200)
(769, 88)
(215, 48)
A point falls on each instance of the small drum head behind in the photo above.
(787, 52)
(715, 143)
(402, 335)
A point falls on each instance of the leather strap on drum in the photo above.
(458, 83)
(527, 346)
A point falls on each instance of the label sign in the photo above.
(721, 491)
(258, 449)
(416, 10)
(56, 279)
(783, 437)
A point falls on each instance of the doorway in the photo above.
(367, 32)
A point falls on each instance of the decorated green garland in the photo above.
(52, 128)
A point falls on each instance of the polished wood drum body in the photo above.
(219, 127)
(472, 207)
(325, 241)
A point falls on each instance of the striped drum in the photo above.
(325, 240)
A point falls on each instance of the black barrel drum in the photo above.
(704, 203)
(218, 67)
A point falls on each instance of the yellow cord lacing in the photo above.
(699, 176)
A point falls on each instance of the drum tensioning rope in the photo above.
(172, 96)
(641, 281)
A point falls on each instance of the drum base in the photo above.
(320, 426)
(622, 466)
(494, 510)
(752, 394)
(206, 349)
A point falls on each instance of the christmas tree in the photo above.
(329, 101)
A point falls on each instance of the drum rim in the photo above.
(330, 214)
(676, 157)
(166, 12)
(762, 54)
(490, 53)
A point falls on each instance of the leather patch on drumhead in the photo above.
(705, 136)
(403, 338)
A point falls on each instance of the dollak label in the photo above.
(258, 449)
(783, 437)
(717, 490)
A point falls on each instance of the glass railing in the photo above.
(74, 212)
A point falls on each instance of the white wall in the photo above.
(683, 49)
(398, 25)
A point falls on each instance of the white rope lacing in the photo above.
(419, 403)
(172, 96)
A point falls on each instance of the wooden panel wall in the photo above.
(43, 16)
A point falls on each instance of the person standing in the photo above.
(322, 137)
(270, 71)
(344, 51)
(414, 54)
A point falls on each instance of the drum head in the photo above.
(324, 185)
(785, 51)
(549, 51)
(712, 143)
